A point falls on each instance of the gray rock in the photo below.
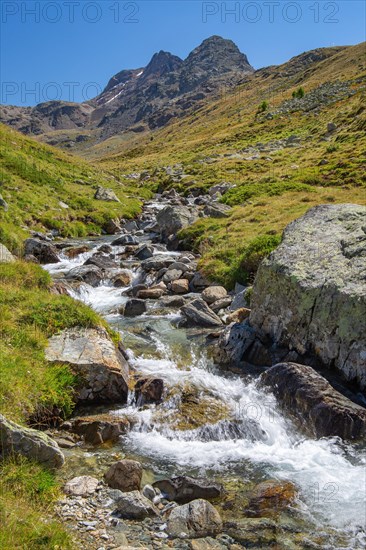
(234, 341)
(100, 429)
(103, 194)
(310, 294)
(44, 252)
(81, 486)
(172, 301)
(125, 240)
(30, 443)
(196, 519)
(102, 261)
(331, 127)
(90, 274)
(157, 262)
(214, 293)
(180, 286)
(172, 219)
(5, 255)
(172, 275)
(4, 204)
(199, 282)
(124, 475)
(222, 303)
(134, 307)
(198, 313)
(144, 252)
(102, 371)
(134, 505)
(184, 489)
(322, 410)
(217, 210)
(149, 492)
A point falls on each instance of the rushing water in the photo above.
(252, 438)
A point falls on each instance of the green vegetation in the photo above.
(298, 94)
(48, 189)
(262, 107)
(27, 494)
(30, 314)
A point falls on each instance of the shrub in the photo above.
(298, 94)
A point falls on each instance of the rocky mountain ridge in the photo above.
(143, 98)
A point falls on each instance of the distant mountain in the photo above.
(144, 98)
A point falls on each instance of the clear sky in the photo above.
(68, 49)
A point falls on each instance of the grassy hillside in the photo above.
(242, 138)
(48, 189)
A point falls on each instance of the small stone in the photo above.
(180, 286)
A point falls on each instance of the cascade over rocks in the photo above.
(93, 357)
(321, 409)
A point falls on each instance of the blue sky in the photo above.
(68, 49)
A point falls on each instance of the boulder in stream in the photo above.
(198, 313)
(43, 251)
(102, 371)
(90, 274)
(134, 307)
(322, 410)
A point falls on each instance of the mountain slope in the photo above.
(138, 99)
(46, 189)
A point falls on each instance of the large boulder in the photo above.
(101, 369)
(322, 410)
(134, 307)
(172, 219)
(90, 274)
(45, 252)
(30, 443)
(198, 313)
(194, 520)
(217, 210)
(310, 294)
(5, 255)
(124, 475)
(184, 489)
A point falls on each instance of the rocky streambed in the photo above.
(180, 452)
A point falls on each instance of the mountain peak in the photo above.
(161, 63)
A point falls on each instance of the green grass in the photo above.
(27, 495)
(35, 178)
(30, 315)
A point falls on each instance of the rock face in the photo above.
(124, 475)
(196, 519)
(92, 356)
(5, 255)
(310, 294)
(30, 443)
(184, 489)
(322, 410)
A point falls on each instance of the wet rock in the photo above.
(134, 307)
(213, 293)
(184, 489)
(102, 371)
(133, 505)
(151, 293)
(241, 298)
(5, 255)
(234, 341)
(270, 497)
(156, 263)
(194, 520)
(238, 316)
(322, 410)
(103, 194)
(217, 210)
(101, 261)
(125, 240)
(149, 492)
(45, 252)
(33, 444)
(90, 274)
(112, 227)
(309, 295)
(172, 301)
(122, 279)
(198, 313)
(81, 486)
(99, 429)
(149, 390)
(74, 251)
(180, 286)
(253, 533)
(181, 266)
(124, 475)
(144, 252)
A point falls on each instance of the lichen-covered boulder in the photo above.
(310, 294)
(30, 443)
(101, 369)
